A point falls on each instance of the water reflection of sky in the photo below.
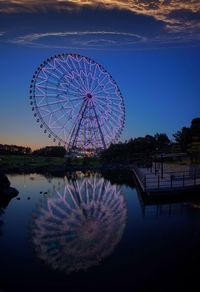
(155, 244)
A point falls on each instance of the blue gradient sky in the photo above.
(152, 53)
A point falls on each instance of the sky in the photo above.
(151, 49)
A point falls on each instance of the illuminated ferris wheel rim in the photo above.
(115, 115)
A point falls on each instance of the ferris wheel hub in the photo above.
(89, 96)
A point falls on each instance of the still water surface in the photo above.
(83, 233)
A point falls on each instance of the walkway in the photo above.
(154, 182)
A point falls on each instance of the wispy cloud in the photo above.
(99, 40)
(80, 39)
(161, 10)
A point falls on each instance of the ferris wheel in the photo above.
(79, 224)
(77, 102)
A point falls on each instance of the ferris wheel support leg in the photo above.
(99, 127)
(77, 125)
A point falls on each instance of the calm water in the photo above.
(86, 234)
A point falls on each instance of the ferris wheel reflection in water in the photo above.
(79, 224)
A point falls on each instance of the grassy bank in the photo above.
(14, 163)
(27, 164)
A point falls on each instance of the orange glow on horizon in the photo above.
(26, 142)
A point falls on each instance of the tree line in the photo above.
(142, 148)
(14, 150)
(186, 140)
(50, 151)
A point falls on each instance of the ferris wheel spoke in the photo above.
(76, 88)
(46, 83)
(114, 121)
(93, 77)
(75, 94)
(59, 62)
(67, 63)
(49, 72)
(52, 103)
(100, 82)
(106, 110)
(102, 89)
(114, 109)
(57, 69)
(101, 94)
(75, 98)
(105, 127)
(82, 80)
(109, 86)
(42, 77)
(116, 112)
(76, 83)
(40, 88)
(77, 105)
(46, 95)
(71, 59)
(82, 87)
(61, 133)
(106, 97)
(56, 120)
(37, 104)
(86, 77)
(93, 90)
(51, 88)
(65, 124)
(52, 112)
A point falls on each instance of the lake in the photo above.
(89, 232)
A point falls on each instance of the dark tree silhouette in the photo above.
(183, 138)
(14, 150)
(162, 141)
(51, 151)
(186, 136)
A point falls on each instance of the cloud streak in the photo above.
(161, 10)
(98, 40)
(81, 39)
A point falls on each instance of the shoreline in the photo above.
(62, 169)
(15, 164)
(28, 164)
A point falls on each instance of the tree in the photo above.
(186, 136)
(14, 150)
(51, 151)
(195, 128)
(183, 138)
(162, 141)
(194, 151)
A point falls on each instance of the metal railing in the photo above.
(178, 179)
